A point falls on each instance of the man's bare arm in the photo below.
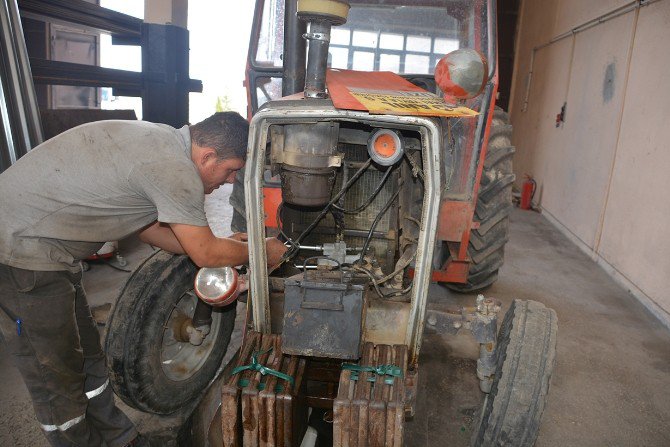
(161, 236)
(207, 250)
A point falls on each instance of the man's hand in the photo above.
(275, 249)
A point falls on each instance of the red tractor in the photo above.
(376, 194)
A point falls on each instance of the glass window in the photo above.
(393, 34)
(391, 41)
(338, 57)
(418, 43)
(429, 28)
(444, 46)
(365, 39)
(271, 39)
(339, 36)
(415, 63)
(267, 89)
(364, 61)
(389, 62)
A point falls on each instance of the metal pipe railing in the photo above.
(617, 12)
(20, 112)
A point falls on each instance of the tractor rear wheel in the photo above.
(525, 357)
(494, 204)
(150, 367)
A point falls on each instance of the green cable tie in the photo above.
(255, 366)
(382, 370)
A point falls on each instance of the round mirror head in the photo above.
(462, 74)
(216, 286)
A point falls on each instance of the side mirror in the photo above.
(462, 74)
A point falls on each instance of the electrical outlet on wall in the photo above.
(560, 118)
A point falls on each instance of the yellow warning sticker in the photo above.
(393, 102)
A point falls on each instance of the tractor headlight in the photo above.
(216, 286)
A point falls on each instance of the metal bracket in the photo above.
(481, 321)
(323, 37)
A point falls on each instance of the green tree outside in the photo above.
(223, 103)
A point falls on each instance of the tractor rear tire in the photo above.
(525, 358)
(239, 222)
(494, 204)
(149, 368)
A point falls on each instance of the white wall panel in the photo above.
(536, 138)
(576, 180)
(636, 231)
(572, 13)
(604, 176)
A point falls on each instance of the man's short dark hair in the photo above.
(225, 132)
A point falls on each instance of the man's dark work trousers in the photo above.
(57, 349)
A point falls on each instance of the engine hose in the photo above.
(376, 286)
(403, 262)
(376, 222)
(294, 250)
(370, 199)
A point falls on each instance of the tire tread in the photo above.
(494, 205)
(526, 353)
(130, 344)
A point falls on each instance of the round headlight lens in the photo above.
(216, 286)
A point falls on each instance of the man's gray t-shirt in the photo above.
(98, 182)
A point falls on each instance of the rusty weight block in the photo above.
(368, 411)
(231, 410)
(284, 412)
(271, 357)
(264, 410)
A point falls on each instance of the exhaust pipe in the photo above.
(321, 16)
(308, 152)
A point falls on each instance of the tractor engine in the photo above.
(350, 194)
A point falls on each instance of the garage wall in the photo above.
(604, 173)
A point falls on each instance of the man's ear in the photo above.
(208, 155)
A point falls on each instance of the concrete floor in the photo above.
(611, 384)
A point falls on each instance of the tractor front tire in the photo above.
(525, 358)
(149, 368)
(494, 204)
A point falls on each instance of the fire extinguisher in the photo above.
(527, 193)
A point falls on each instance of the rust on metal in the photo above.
(385, 321)
(269, 356)
(453, 271)
(230, 395)
(369, 411)
(262, 409)
(455, 218)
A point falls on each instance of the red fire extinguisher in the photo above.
(527, 193)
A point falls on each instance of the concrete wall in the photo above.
(604, 174)
(162, 12)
